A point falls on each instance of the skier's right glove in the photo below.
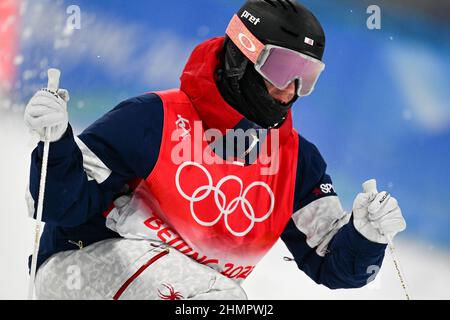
(48, 109)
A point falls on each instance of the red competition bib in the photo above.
(221, 213)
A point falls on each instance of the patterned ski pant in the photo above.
(131, 270)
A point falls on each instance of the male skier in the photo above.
(148, 206)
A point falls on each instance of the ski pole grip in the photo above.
(53, 79)
(370, 186)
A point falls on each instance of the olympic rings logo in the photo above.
(226, 208)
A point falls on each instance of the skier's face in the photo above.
(284, 96)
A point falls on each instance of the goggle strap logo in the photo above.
(249, 45)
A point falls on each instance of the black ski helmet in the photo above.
(284, 23)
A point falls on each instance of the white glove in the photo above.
(48, 109)
(377, 216)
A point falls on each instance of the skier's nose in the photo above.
(284, 96)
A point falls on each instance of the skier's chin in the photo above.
(286, 104)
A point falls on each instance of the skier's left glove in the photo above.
(377, 216)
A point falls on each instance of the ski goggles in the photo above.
(279, 66)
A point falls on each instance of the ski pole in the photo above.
(53, 85)
(371, 187)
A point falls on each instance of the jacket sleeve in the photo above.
(320, 235)
(86, 173)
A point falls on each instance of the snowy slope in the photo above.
(427, 268)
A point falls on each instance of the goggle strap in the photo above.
(242, 37)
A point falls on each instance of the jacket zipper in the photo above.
(138, 273)
(79, 244)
